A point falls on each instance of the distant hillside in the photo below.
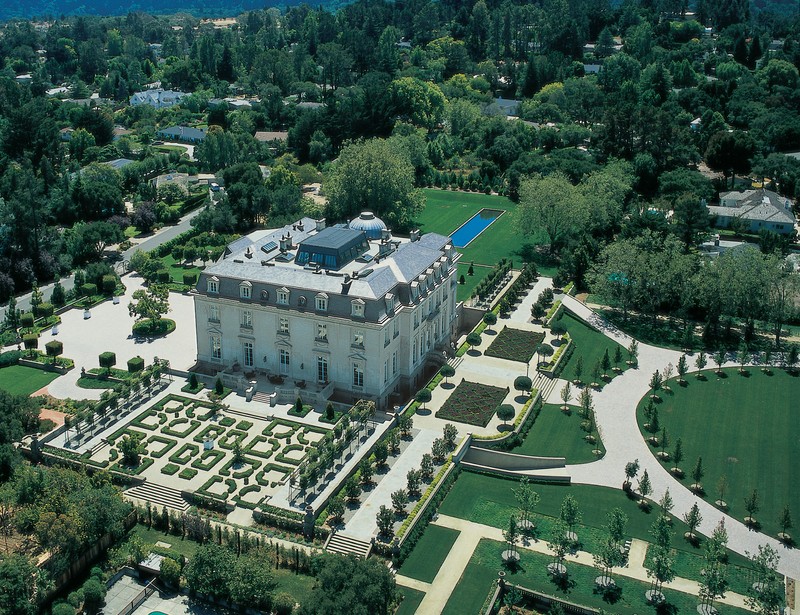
(203, 8)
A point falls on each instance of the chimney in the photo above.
(386, 234)
(415, 235)
(320, 224)
(384, 248)
(285, 242)
(299, 226)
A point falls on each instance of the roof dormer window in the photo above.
(246, 290)
(213, 285)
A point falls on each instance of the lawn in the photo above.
(21, 380)
(472, 403)
(446, 211)
(727, 422)
(411, 601)
(475, 583)
(429, 553)
(515, 344)
(556, 434)
(589, 344)
(470, 281)
(176, 270)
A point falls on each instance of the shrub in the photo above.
(283, 604)
(26, 320)
(10, 358)
(109, 284)
(63, 608)
(193, 380)
(94, 592)
(170, 572)
(31, 341)
(150, 328)
(136, 364)
(54, 348)
(89, 289)
(107, 359)
(45, 310)
(170, 469)
(162, 275)
(218, 388)
(329, 412)
(189, 279)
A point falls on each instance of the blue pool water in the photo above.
(473, 227)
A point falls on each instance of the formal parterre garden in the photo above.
(515, 344)
(724, 418)
(195, 442)
(472, 403)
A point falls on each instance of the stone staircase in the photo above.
(262, 397)
(347, 545)
(158, 496)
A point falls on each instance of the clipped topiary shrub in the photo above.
(87, 290)
(107, 359)
(26, 320)
(109, 284)
(136, 364)
(190, 279)
(163, 275)
(45, 310)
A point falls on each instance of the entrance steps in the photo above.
(348, 545)
(159, 496)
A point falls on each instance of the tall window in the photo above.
(414, 354)
(284, 325)
(248, 354)
(213, 313)
(394, 362)
(386, 371)
(245, 291)
(213, 286)
(358, 375)
(216, 347)
(284, 361)
(396, 328)
(386, 335)
(321, 303)
(416, 318)
(247, 319)
(283, 297)
(322, 331)
(322, 369)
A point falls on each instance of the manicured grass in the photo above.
(21, 380)
(485, 562)
(556, 434)
(446, 211)
(470, 281)
(429, 553)
(94, 383)
(411, 601)
(589, 344)
(739, 435)
(515, 344)
(176, 270)
(472, 403)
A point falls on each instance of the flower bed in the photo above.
(208, 459)
(472, 403)
(515, 345)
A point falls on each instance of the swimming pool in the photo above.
(473, 227)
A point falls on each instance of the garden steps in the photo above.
(262, 397)
(158, 496)
(249, 415)
(348, 545)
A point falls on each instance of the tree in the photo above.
(22, 585)
(131, 447)
(399, 501)
(608, 556)
(691, 220)
(544, 350)
(426, 467)
(566, 395)
(766, 595)
(474, 339)
(730, 153)
(645, 488)
(511, 534)
(413, 479)
(385, 521)
(617, 356)
(666, 504)
(490, 318)
(682, 368)
(785, 523)
(597, 371)
(210, 571)
(722, 488)
(87, 241)
(551, 204)
(661, 570)
(560, 545)
(366, 470)
(374, 176)
(663, 442)
(381, 453)
(631, 470)
(419, 102)
(447, 371)
(527, 500)
(697, 475)
(719, 360)
(54, 348)
(752, 506)
(450, 433)
(655, 383)
(150, 304)
(692, 518)
(350, 585)
(633, 351)
(616, 520)
(439, 450)
(352, 490)
(505, 412)
(677, 456)
(12, 315)
(578, 369)
(522, 384)
(570, 512)
(700, 362)
(423, 396)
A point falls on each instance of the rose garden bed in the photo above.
(472, 403)
(515, 345)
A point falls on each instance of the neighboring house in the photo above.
(57, 91)
(186, 134)
(66, 134)
(118, 163)
(592, 69)
(268, 136)
(715, 246)
(757, 209)
(158, 98)
(177, 179)
(348, 309)
(504, 106)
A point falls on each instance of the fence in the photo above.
(143, 595)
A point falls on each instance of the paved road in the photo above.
(161, 236)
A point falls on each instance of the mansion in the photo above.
(348, 308)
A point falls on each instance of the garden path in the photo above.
(523, 312)
(438, 592)
(615, 410)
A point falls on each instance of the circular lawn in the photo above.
(746, 428)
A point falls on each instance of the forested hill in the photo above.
(200, 8)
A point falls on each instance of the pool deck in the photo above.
(127, 588)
